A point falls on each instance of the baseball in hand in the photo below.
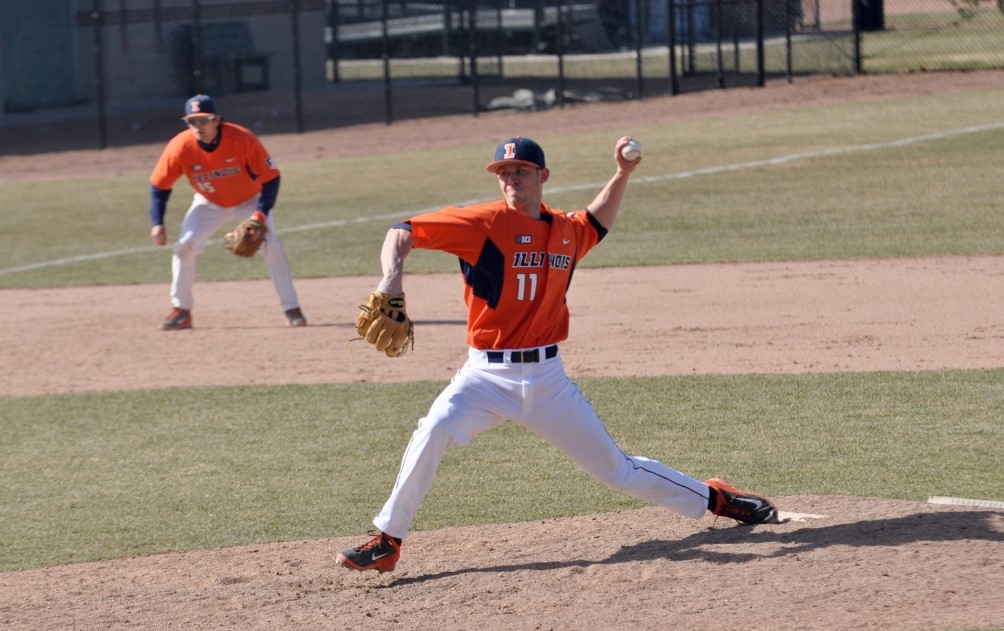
(632, 150)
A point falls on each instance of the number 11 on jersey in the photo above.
(521, 293)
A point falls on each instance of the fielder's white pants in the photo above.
(201, 221)
(540, 397)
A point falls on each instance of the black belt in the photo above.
(531, 356)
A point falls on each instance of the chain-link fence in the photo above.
(97, 73)
(934, 35)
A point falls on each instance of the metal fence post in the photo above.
(639, 75)
(718, 44)
(787, 38)
(691, 37)
(674, 78)
(560, 46)
(856, 20)
(501, 37)
(99, 74)
(387, 97)
(475, 78)
(444, 38)
(761, 70)
(331, 10)
(297, 71)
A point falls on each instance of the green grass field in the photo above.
(936, 197)
(98, 476)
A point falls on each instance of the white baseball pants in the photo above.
(540, 397)
(201, 221)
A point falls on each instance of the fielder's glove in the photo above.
(247, 237)
(384, 323)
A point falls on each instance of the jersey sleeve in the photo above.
(158, 204)
(588, 231)
(169, 166)
(260, 165)
(458, 231)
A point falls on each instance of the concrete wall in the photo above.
(145, 61)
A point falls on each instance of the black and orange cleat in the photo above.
(176, 320)
(380, 553)
(749, 508)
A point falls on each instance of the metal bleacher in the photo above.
(433, 25)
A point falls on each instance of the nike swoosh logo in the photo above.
(377, 557)
(566, 241)
(231, 159)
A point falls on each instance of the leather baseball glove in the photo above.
(384, 323)
(245, 239)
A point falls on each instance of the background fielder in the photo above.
(234, 179)
(517, 257)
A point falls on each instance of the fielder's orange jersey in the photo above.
(227, 176)
(516, 269)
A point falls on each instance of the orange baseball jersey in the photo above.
(227, 176)
(516, 269)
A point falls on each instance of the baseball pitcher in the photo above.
(517, 257)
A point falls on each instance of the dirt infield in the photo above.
(862, 564)
(870, 564)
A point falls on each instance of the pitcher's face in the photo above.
(522, 186)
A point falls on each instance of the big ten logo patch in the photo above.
(523, 239)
